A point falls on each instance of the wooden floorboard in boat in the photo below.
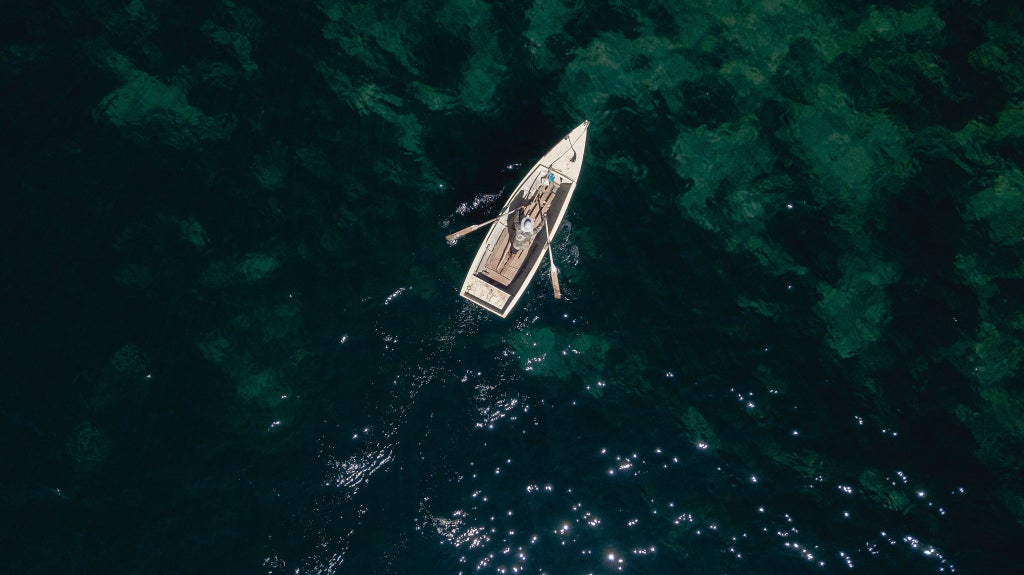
(503, 265)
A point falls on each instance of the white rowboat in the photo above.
(515, 244)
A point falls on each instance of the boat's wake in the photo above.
(388, 443)
(480, 201)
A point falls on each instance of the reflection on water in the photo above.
(513, 472)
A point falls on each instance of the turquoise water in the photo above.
(790, 339)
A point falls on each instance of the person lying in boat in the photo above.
(524, 234)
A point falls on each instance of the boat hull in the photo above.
(500, 274)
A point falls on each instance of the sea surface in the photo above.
(792, 333)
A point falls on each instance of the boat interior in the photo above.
(502, 264)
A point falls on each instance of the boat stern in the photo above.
(485, 295)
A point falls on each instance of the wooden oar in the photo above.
(551, 258)
(471, 229)
(475, 227)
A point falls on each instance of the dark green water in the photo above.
(791, 338)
